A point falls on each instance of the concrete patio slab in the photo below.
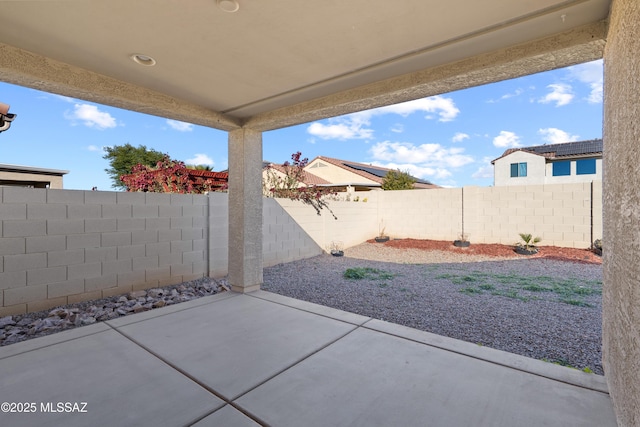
(373, 379)
(169, 309)
(262, 359)
(115, 381)
(34, 344)
(234, 345)
(228, 416)
(511, 360)
(321, 310)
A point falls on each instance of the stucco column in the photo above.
(621, 211)
(245, 210)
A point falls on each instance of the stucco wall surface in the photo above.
(621, 294)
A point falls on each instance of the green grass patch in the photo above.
(368, 273)
(510, 293)
(536, 288)
(471, 291)
(571, 291)
(576, 302)
(566, 364)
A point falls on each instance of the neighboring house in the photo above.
(349, 176)
(566, 163)
(28, 176)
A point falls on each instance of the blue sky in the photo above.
(448, 139)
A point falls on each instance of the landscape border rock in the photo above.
(15, 329)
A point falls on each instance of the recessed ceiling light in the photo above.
(145, 60)
(228, 5)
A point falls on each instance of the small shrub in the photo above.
(528, 242)
(398, 180)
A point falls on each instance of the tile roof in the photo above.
(373, 173)
(562, 150)
(307, 178)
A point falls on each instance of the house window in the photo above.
(518, 169)
(561, 168)
(586, 166)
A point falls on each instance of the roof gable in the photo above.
(371, 172)
(562, 150)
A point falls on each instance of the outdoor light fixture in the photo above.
(141, 59)
(5, 117)
(228, 5)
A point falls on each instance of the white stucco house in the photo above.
(565, 163)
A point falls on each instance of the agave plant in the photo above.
(528, 241)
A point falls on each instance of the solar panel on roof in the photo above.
(372, 170)
(380, 173)
(569, 148)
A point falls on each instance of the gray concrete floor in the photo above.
(263, 359)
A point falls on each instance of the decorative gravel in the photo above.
(23, 327)
(544, 309)
(540, 308)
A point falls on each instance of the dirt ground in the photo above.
(493, 249)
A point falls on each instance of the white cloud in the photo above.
(506, 139)
(426, 155)
(200, 159)
(445, 108)
(339, 131)
(513, 94)
(484, 171)
(397, 128)
(557, 136)
(65, 98)
(560, 93)
(591, 74)
(94, 148)
(91, 116)
(358, 125)
(459, 137)
(180, 126)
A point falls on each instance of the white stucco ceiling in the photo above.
(273, 62)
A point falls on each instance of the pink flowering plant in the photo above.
(168, 176)
(288, 182)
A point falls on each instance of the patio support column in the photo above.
(621, 211)
(245, 210)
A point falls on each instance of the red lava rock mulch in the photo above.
(493, 249)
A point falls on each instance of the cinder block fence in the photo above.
(65, 246)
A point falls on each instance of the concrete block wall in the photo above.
(218, 238)
(65, 246)
(357, 221)
(566, 215)
(422, 214)
(561, 214)
(283, 240)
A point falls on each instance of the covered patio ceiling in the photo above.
(273, 64)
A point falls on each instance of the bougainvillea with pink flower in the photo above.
(288, 181)
(172, 176)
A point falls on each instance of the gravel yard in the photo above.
(546, 307)
(542, 308)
